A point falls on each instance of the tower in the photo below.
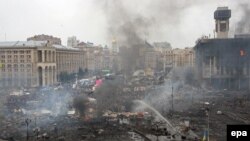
(222, 16)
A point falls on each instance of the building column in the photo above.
(51, 56)
(55, 74)
(54, 56)
(46, 75)
(50, 76)
(43, 76)
(43, 56)
(48, 56)
(37, 77)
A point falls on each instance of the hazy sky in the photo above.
(87, 20)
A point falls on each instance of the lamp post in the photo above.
(27, 121)
(207, 113)
(172, 97)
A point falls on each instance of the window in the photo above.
(223, 27)
(15, 52)
(2, 61)
(21, 52)
(9, 56)
(9, 61)
(22, 61)
(22, 56)
(15, 56)
(28, 51)
(3, 56)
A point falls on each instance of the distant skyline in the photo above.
(85, 19)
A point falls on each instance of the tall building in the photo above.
(222, 16)
(223, 63)
(69, 59)
(163, 50)
(183, 57)
(72, 41)
(27, 63)
(93, 57)
(36, 63)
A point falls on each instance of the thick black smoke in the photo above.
(131, 27)
(108, 96)
(79, 103)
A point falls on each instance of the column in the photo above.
(50, 76)
(48, 73)
(43, 76)
(46, 55)
(54, 74)
(55, 56)
(37, 77)
(43, 56)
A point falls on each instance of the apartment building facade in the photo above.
(36, 63)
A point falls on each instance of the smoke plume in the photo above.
(243, 26)
(79, 103)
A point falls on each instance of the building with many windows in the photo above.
(182, 57)
(36, 63)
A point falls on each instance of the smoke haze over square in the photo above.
(178, 22)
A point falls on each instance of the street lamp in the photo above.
(207, 113)
(27, 122)
(172, 96)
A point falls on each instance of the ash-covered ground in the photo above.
(119, 109)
